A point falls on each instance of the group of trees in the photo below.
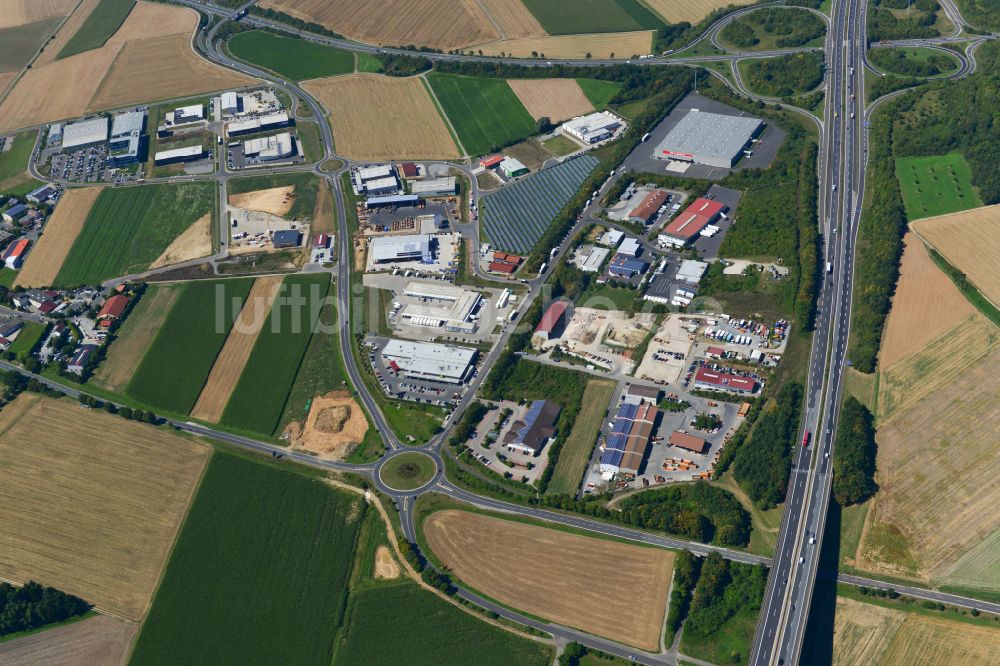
(295, 22)
(786, 75)
(854, 464)
(124, 412)
(466, 426)
(899, 61)
(686, 570)
(763, 463)
(34, 605)
(698, 511)
(791, 28)
(918, 20)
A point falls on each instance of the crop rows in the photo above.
(516, 217)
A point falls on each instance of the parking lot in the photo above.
(487, 448)
(395, 385)
(87, 165)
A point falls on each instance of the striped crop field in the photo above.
(517, 216)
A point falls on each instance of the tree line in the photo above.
(854, 462)
(34, 605)
(898, 61)
(762, 464)
(883, 24)
(794, 27)
(697, 511)
(786, 75)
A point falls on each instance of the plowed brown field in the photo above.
(229, 365)
(513, 19)
(621, 44)
(556, 99)
(441, 25)
(970, 241)
(562, 583)
(44, 262)
(381, 118)
(94, 505)
(19, 12)
(925, 305)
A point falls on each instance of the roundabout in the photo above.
(408, 471)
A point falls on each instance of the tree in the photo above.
(855, 454)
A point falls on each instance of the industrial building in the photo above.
(429, 361)
(490, 162)
(639, 394)
(648, 207)
(690, 271)
(230, 103)
(630, 247)
(707, 138)
(259, 124)
(175, 155)
(691, 222)
(270, 148)
(530, 434)
(380, 186)
(286, 238)
(592, 128)
(85, 132)
(393, 200)
(409, 170)
(688, 442)
(624, 266)
(589, 258)
(708, 379)
(397, 249)
(185, 115)
(551, 323)
(15, 213)
(126, 138)
(439, 305)
(626, 448)
(41, 194)
(434, 187)
(13, 256)
(512, 167)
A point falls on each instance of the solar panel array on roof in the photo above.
(517, 216)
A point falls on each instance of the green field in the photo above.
(306, 187)
(485, 112)
(579, 444)
(408, 471)
(129, 227)
(426, 631)
(18, 44)
(174, 370)
(259, 573)
(106, 18)
(259, 397)
(14, 162)
(27, 338)
(368, 63)
(7, 276)
(309, 140)
(295, 59)
(570, 17)
(936, 185)
(599, 93)
(608, 297)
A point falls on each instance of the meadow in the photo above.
(259, 573)
(106, 18)
(18, 45)
(579, 444)
(485, 112)
(174, 370)
(571, 17)
(27, 338)
(426, 631)
(14, 162)
(306, 186)
(295, 59)
(259, 397)
(936, 185)
(600, 93)
(128, 228)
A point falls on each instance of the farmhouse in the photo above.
(126, 138)
(627, 446)
(686, 226)
(429, 361)
(43, 193)
(708, 379)
(688, 442)
(551, 323)
(531, 434)
(15, 213)
(592, 128)
(270, 147)
(396, 249)
(409, 170)
(85, 132)
(711, 139)
(13, 256)
(648, 207)
(504, 263)
(437, 305)
(112, 310)
(175, 155)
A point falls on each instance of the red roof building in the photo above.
(551, 319)
(490, 162)
(688, 442)
(321, 241)
(502, 267)
(113, 307)
(409, 170)
(715, 352)
(651, 203)
(47, 307)
(695, 217)
(714, 380)
(13, 256)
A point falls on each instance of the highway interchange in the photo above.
(842, 161)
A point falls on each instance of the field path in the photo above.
(45, 260)
(229, 365)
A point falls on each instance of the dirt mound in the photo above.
(386, 568)
(334, 426)
(276, 200)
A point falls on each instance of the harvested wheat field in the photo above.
(194, 243)
(970, 241)
(383, 118)
(513, 19)
(559, 584)
(60, 89)
(20, 12)
(621, 44)
(386, 567)
(5, 79)
(334, 426)
(555, 99)
(93, 507)
(96, 640)
(276, 200)
(150, 19)
(66, 31)
(925, 305)
(931, 641)
(136, 336)
(44, 262)
(229, 364)
(129, 80)
(440, 25)
(862, 632)
(692, 11)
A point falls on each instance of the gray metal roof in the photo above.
(704, 134)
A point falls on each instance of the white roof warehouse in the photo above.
(709, 138)
(430, 361)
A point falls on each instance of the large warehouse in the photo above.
(709, 138)
(429, 361)
(592, 128)
(85, 132)
(627, 446)
(439, 305)
(392, 249)
(686, 226)
(269, 148)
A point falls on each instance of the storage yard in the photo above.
(604, 338)
(516, 217)
(86, 514)
(568, 579)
